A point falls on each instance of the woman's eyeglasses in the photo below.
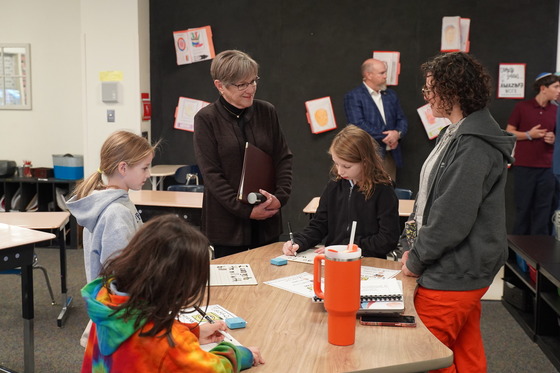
(426, 91)
(244, 86)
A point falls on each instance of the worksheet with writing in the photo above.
(231, 274)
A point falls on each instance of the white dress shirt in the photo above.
(376, 96)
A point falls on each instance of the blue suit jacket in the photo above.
(363, 112)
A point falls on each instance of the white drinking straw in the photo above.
(352, 234)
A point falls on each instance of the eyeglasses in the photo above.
(244, 86)
(426, 91)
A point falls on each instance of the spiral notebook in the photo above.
(379, 296)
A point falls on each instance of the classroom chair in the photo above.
(186, 188)
(403, 193)
(17, 271)
(189, 179)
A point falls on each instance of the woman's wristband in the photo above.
(528, 136)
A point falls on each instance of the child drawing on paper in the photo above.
(135, 302)
(360, 190)
(195, 40)
(322, 117)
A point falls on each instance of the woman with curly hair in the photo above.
(360, 190)
(460, 210)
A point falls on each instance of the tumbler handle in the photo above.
(317, 275)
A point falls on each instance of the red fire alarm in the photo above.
(146, 107)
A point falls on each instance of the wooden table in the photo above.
(150, 203)
(55, 220)
(160, 171)
(405, 206)
(291, 331)
(16, 250)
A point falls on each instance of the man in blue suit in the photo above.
(377, 110)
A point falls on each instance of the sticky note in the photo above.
(236, 323)
(278, 261)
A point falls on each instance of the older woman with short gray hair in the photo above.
(221, 131)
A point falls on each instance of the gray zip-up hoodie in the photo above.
(463, 241)
(110, 219)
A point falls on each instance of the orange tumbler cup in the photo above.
(342, 291)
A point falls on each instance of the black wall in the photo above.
(312, 49)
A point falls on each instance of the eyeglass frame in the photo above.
(426, 91)
(244, 86)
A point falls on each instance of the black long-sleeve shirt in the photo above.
(377, 228)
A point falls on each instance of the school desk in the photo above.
(291, 330)
(56, 221)
(160, 171)
(405, 207)
(16, 250)
(150, 203)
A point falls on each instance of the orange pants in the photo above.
(454, 318)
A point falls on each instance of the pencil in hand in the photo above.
(291, 237)
(226, 335)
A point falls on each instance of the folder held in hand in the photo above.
(258, 172)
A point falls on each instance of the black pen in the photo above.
(203, 314)
(291, 236)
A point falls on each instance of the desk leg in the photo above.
(154, 182)
(28, 314)
(66, 300)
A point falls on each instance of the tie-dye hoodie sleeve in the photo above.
(115, 346)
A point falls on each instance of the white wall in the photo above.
(71, 43)
(54, 125)
(111, 42)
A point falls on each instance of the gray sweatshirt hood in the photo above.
(479, 124)
(88, 209)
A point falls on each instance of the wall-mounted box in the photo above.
(110, 92)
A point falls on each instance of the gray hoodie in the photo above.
(463, 241)
(110, 220)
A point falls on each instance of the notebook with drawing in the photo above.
(215, 312)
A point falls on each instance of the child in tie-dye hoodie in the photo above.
(135, 303)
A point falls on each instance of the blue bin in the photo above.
(68, 166)
(521, 263)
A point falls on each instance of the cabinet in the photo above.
(45, 192)
(520, 292)
(534, 301)
(548, 322)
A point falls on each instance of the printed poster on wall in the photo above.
(320, 115)
(392, 59)
(432, 125)
(455, 34)
(511, 80)
(185, 112)
(194, 45)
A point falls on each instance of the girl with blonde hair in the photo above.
(101, 204)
